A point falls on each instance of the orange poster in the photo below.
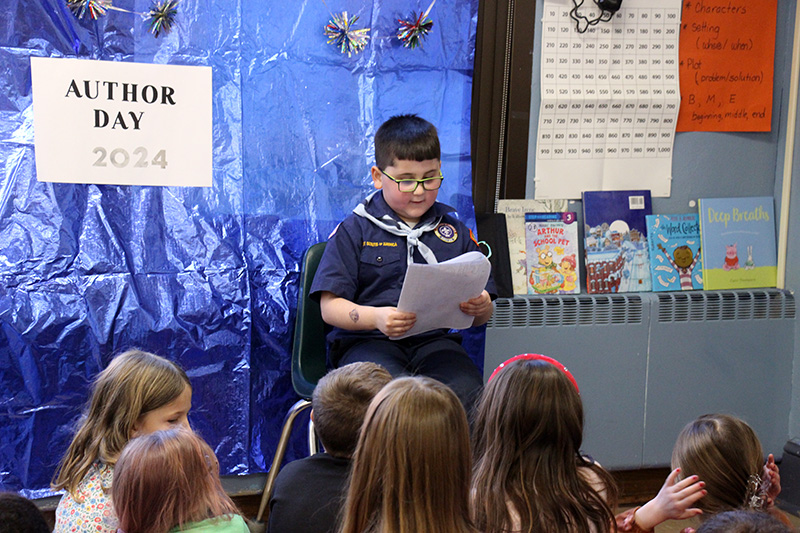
(727, 50)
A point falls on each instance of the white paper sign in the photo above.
(116, 123)
(433, 292)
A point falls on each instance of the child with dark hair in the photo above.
(20, 515)
(168, 481)
(742, 521)
(309, 492)
(529, 473)
(362, 270)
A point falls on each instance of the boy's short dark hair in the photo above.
(20, 514)
(340, 402)
(741, 521)
(406, 137)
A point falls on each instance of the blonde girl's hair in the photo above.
(726, 453)
(134, 383)
(527, 437)
(411, 467)
(167, 479)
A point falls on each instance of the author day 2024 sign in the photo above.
(115, 123)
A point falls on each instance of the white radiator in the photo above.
(648, 363)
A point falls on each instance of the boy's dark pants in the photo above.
(440, 357)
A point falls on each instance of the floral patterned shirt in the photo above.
(91, 511)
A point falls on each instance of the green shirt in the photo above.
(218, 524)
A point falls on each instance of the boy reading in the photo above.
(361, 273)
(309, 492)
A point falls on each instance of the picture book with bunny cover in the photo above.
(675, 263)
(738, 241)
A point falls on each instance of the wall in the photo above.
(725, 164)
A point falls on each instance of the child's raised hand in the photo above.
(477, 306)
(392, 322)
(673, 502)
(772, 476)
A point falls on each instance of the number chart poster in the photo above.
(727, 54)
(117, 123)
(610, 99)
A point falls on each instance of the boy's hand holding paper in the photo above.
(434, 292)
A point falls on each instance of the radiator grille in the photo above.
(725, 305)
(567, 310)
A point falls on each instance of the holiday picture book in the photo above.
(738, 239)
(615, 241)
(514, 211)
(675, 259)
(551, 244)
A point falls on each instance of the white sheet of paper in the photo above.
(433, 292)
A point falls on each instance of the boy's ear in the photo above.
(377, 177)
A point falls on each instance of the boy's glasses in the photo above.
(429, 184)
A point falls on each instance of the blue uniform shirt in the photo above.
(367, 265)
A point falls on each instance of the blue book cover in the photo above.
(551, 242)
(738, 239)
(675, 259)
(615, 239)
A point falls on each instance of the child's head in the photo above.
(406, 137)
(742, 521)
(340, 401)
(726, 454)
(137, 393)
(167, 479)
(527, 437)
(408, 167)
(18, 514)
(531, 402)
(412, 465)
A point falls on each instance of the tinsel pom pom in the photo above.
(94, 8)
(161, 16)
(339, 32)
(412, 31)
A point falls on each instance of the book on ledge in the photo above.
(514, 211)
(738, 239)
(615, 241)
(552, 252)
(675, 254)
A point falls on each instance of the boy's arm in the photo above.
(345, 314)
(481, 307)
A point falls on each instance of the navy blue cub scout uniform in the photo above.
(367, 265)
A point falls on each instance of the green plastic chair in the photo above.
(309, 355)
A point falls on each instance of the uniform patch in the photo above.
(446, 232)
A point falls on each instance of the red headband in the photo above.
(537, 357)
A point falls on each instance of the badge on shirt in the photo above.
(446, 232)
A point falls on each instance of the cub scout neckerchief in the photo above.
(401, 229)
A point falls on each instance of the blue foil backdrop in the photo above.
(204, 276)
